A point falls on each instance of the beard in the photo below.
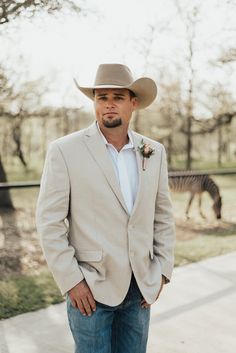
(112, 123)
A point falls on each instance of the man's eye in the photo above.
(119, 98)
(103, 98)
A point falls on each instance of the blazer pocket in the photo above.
(89, 255)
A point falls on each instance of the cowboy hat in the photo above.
(120, 76)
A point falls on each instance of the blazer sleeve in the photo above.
(164, 227)
(52, 222)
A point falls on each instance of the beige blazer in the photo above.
(84, 226)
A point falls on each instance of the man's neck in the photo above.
(118, 136)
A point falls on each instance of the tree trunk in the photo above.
(219, 159)
(189, 143)
(5, 197)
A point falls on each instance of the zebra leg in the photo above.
(200, 206)
(188, 206)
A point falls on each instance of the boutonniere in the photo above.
(146, 151)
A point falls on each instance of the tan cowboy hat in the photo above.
(120, 76)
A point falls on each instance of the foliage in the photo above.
(23, 293)
(9, 9)
(203, 247)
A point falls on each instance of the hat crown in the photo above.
(113, 74)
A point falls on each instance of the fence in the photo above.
(33, 184)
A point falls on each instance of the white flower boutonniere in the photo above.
(146, 151)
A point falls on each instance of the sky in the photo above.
(149, 36)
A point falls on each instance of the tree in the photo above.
(145, 48)
(6, 90)
(9, 9)
(199, 91)
(169, 111)
(189, 19)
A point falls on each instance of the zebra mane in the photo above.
(210, 186)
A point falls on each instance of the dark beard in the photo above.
(112, 123)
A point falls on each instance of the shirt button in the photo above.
(132, 253)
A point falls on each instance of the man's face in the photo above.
(113, 106)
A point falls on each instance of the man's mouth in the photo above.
(110, 114)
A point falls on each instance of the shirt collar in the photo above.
(130, 143)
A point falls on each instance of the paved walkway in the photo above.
(195, 314)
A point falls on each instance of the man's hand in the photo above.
(144, 304)
(82, 298)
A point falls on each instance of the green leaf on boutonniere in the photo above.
(146, 151)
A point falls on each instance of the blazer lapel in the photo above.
(136, 143)
(144, 175)
(98, 150)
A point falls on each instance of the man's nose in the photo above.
(110, 102)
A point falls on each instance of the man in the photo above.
(105, 219)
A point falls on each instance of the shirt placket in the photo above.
(124, 181)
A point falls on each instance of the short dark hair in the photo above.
(131, 93)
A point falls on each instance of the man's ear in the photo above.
(135, 102)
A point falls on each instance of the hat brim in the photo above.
(144, 88)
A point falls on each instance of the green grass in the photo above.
(203, 247)
(23, 175)
(20, 294)
(180, 164)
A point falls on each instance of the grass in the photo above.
(203, 247)
(179, 163)
(23, 293)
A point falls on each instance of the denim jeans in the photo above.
(112, 329)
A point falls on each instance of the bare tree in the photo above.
(6, 90)
(189, 19)
(5, 197)
(145, 47)
(169, 111)
(16, 106)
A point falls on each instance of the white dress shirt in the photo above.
(126, 168)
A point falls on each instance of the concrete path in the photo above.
(195, 314)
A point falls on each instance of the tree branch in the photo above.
(11, 9)
(210, 125)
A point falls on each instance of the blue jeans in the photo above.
(112, 329)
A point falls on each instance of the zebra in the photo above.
(196, 184)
